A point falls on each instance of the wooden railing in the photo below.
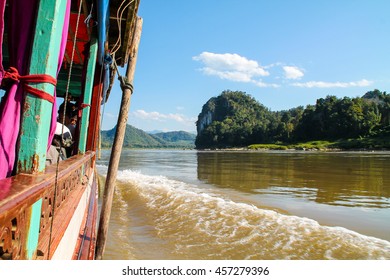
(28, 204)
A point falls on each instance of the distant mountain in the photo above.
(137, 138)
(154, 131)
(176, 136)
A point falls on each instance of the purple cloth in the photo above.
(21, 19)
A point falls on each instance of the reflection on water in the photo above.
(343, 179)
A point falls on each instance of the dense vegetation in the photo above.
(137, 138)
(235, 119)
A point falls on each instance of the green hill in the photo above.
(137, 138)
(176, 136)
(232, 119)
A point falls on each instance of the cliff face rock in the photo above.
(206, 120)
(214, 110)
(217, 109)
(228, 119)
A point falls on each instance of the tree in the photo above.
(236, 119)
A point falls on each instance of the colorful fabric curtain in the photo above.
(2, 9)
(20, 35)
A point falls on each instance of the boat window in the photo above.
(68, 114)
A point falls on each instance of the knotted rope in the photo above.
(12, 76)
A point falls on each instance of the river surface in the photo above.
(240, 205)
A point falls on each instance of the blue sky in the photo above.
(283, 53)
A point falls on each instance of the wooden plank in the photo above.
(37, 112)
(88, 89)
(85, 249)
(51, 237)
(27, 187)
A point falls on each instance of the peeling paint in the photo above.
(35, 163)
(19, 165)
(38, 119)
(24, 165)
(26, 107)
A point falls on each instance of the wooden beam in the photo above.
(71, 39)
(117, 146)
(36, 117)
(94, 118)
(127, 40)
(88, 89)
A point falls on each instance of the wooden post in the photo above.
(94, 118)
(88, 95)
(44, 60)
(117, 146)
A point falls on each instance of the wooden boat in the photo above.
(52, 50)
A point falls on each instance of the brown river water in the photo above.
(242, 205)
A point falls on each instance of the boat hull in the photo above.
(50, 216)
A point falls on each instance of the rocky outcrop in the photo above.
(205, 120)
(229, 119)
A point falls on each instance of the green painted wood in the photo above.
(33, 232)
(88, 89)
(75, 86)
(37, 112)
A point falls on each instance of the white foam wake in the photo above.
(199, 222)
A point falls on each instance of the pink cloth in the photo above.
(2, 8)
(21, 20)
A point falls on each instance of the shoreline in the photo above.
(246, 149)
(293, 150)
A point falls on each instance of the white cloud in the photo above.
(273, 65)
(319, 84)
(110, 115)
(156, 116)
(231, 67)
(292, 72)
(264, 85)
(234, 67)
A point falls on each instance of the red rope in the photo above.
(83, 105)
(13, 75)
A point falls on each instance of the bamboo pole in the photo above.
(117, 146)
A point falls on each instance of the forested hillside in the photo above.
(235, 119)
(137, 138)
